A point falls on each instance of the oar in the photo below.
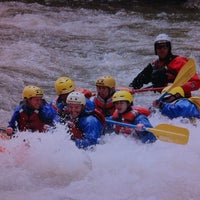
(196, 101)
(132, 91)
(184, 75)
(164, 132)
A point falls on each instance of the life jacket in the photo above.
(128, 117)
(171, 73)
(105, 107)
(74, 127)
(142, 110)
(30, 122)
(86, 92)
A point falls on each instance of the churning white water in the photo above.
(37, 45)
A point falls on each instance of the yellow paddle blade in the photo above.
(170, 133)
(196, 101)
(185, 74)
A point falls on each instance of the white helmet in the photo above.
(162, 38)
(76, 98)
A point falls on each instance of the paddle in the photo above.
(196, 101)
(164, 132)
(132, 91)
(184, 75)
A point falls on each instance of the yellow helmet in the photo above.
(174, 91)
(107, 81)
(32, 91)
(76, 98)
(122, 96)
(64, 85)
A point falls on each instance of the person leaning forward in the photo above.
(174, 104)
(84, 126)
(165, 69)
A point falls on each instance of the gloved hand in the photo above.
(144, 77)
(159, 77)
(137, 83)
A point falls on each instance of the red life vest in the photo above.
(128, 117)
(105, 107)
(31, 122)
(75, 130)
(142, 110)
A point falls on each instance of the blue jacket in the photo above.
(91, 128)
(46, 114)
(180, 108)
(145, 136)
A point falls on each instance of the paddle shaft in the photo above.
(148, 89)
(123, 124)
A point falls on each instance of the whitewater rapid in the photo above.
(40, 43)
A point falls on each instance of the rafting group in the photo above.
(88, 116)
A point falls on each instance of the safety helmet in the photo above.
(32, 91)
(64, 85)
(162, 38)
(107, 81)
(122, 96)
(174, 91)
(76, 98)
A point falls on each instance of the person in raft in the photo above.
(84, 126)
(125, 113)
(165, 69)
(64, 86)
(33, 114)
(174, 104)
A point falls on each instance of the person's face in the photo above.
(35, 102)
(162, 50)
(121, 106)
(75, 109)
(103, 91)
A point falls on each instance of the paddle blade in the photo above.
(185, 74)
(170, 133)
(196, 101)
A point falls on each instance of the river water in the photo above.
(38, 44)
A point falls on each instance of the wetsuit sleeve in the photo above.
(49, 115)
(144, 77)
(92, 129)
(145, 136)
(182, 108)
(15, 118)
